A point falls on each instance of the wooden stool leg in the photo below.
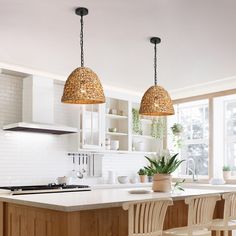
(217, 233)
(226, 233)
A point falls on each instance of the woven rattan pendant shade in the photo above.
(156, 102)
(83, 87)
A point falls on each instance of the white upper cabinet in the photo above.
(92, 126)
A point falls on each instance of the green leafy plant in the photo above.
(177, 129)
(142, 171)
(226, 168)
(158, 128)
(137, 127)
(163, 164)
(148, 171)
(177, 185)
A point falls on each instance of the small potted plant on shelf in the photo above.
(149, 174)
(162, 167)
(226, 172)
(142, 175)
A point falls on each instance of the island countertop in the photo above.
(95, 199)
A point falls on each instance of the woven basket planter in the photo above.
(161, 183)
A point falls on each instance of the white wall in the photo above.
(31, 158)
(27, 158)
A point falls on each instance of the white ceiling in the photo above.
(198, 39)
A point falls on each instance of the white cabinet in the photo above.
(109, 128)
(117, 124)
(92, 136)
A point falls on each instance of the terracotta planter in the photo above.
(226, 174)
(161, 183)
(142, 178)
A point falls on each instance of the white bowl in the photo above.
(115, 144)
(122, 179)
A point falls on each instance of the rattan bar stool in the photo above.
(200, 215)
(228, 223)
(146, 218)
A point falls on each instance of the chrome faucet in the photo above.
(191, 170)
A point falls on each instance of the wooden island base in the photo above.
(19, 220)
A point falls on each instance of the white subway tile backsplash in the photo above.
(31, 158)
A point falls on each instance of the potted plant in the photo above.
(226, 172)
(149, 174)
(162, 167)
(142, 175)
(177, 130)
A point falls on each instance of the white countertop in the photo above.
(95, 199)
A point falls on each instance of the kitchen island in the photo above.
(94, 213)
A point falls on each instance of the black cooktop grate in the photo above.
(43, 187)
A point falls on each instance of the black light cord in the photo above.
(82, 41)
(155, 64)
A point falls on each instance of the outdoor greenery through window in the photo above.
(192, 142)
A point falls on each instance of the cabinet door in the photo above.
(92, 126)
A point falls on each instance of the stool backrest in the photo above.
(229, 206)
(201, 209)
(147, 217)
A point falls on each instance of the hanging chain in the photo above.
(155, 64)
(82, 41)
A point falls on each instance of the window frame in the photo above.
(193, 141)
(209, 97)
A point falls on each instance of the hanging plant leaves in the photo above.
(158, 128)
(137, 127)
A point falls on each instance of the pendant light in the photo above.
(156, 101)
(83, 85)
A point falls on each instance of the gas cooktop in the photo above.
(50, 188)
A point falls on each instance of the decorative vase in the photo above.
(161, 183)
(226, 174)
(142, 178)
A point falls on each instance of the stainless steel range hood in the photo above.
(38, 109)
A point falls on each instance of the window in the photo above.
(230, 132)
(192, 144)
(225, 131)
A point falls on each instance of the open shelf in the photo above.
(116, 134)
(145, 120)
(112, 151)
(112, 116)
(143, 142)
(143, 136)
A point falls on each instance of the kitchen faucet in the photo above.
(191, 170)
